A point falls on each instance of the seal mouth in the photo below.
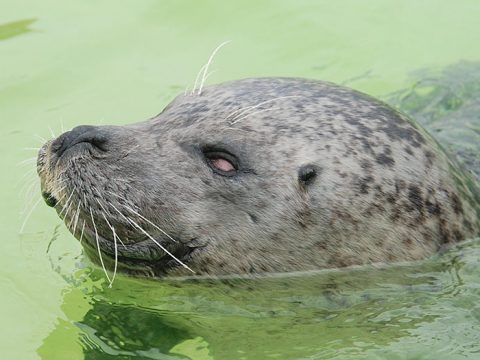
(49, 199)
(144, 255)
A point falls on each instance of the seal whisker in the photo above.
(56, 193)
(114, 243)
(151, 223)
(27, 161)
(67, 213)
(160, 246)
(29, 172)
(250, 114)
(241, 111)
(197, 78)
(27, 189)
(205, 70)
(51, 132)
(42, 139)
(106, 220)
(98, 247)
(66, 202)
(75, 216)
(116, 255)
(27, 217)
(31, 148)
(151, 238)
(81, 234)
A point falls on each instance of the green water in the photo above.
(68, 63)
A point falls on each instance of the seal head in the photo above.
(259, 175)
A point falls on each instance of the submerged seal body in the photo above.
(259, 175)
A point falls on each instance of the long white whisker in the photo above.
(81, 234)
(66, 202)
(29, 197)
(144, 218)
(28, 215)
(27, 161)
(40, 138)
(240, 112)
(29, 172)
(51, 132)
(106, 220)
(205, 71)
(151, 223)
(115, 237)
(160, 246)
(250, 114)
(98, 247)
(116, 255)
(75, 215)
(151, 238)
(27, 188)
(197, 78)
(67, 213)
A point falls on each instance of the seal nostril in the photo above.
(99, 141)
(80, 134)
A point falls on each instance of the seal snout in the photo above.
(84, 134)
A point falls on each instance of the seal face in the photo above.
(259, 175)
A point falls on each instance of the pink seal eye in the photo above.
(222, 164)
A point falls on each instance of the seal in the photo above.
(259, 175)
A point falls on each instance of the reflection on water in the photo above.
(344, 314)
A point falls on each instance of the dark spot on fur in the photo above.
(253, 218)
(363, 183)
(457, 235)
(415, 197)
(395, 132)
(456, 204)
(408, 150)
(366, 165)
(432, 208)
(391, 198)
(430, 156)
(384, 159)
(408, 243)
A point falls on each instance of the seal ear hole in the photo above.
(307, 174)
(221, 162)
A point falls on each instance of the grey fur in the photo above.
(327, 177)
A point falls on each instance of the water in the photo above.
(64, 64)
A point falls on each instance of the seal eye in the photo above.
(221, 162)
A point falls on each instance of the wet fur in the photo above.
(383, 189)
